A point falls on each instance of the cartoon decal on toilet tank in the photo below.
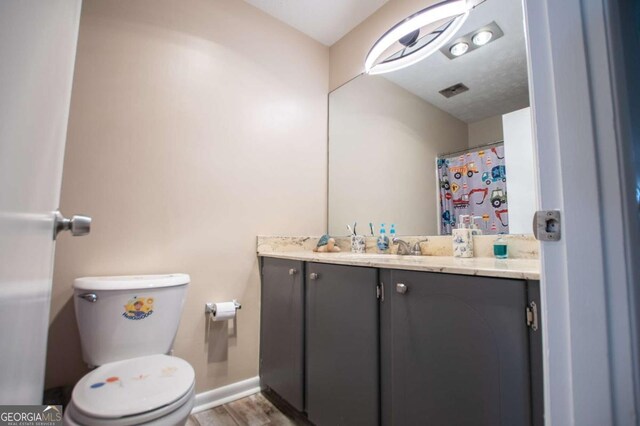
(138, 308)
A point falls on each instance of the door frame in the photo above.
(587, 278)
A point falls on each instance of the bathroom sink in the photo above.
(371, 256)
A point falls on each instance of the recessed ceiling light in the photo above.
(482, 38)
(459, 49)
(475, 39)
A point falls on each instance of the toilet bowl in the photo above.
(127, 326)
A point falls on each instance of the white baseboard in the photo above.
(219, 396)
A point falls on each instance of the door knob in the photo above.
(313, 276)
(401, 288)
(292, 271)
(78, 225)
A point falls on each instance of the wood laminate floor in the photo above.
(254, 410)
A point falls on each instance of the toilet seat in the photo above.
(133, 391)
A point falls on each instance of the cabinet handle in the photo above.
(313, 276)
(292, 271)
(401, 288)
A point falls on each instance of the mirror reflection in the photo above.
(445, 137)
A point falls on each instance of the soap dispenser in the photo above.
(383, 240)
(463, 238)
(500, 247)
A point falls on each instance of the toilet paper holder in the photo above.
(210, 307)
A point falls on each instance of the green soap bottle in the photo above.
(500, 248)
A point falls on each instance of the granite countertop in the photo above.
(527, 269)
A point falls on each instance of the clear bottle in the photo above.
(500, 248)
(383, 240)
(475, 229)
(392, 233)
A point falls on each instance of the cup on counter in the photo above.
(358, 243)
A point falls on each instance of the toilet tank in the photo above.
(128, 316)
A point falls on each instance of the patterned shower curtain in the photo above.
(474, 183)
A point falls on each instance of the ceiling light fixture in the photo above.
(481, 38)
(456, 11)
(474, 40)
(459, 49)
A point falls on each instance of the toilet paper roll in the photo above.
(223, 311)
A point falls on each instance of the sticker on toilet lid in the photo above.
(138, 308)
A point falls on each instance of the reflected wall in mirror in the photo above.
(403, 153)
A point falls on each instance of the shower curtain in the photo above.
(474, 183)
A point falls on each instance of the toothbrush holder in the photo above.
(358, 243)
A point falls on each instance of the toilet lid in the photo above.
(133, 386)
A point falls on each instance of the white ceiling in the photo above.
(324, 20)
(496, 74)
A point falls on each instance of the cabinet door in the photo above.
(342, 345)
(459, 350)
(282, 329)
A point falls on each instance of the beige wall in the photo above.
(485, 131)
(348, 53)
(383, 143)
(195, 125)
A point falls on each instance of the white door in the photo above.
(37, 54)
(588, 281)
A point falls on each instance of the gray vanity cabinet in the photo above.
(455, 350)
(342, 346)
(282, 329)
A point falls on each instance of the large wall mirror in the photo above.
(447, 136)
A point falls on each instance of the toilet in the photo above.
(127, 326)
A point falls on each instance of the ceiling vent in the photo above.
(456, 89)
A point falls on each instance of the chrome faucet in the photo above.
(404, 250)
(403, 246)
(416, 250)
